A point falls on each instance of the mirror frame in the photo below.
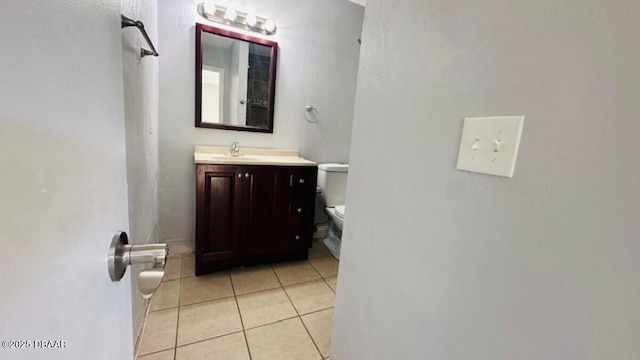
(200, 28)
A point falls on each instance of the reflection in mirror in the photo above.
(235, 80)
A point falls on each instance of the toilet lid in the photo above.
(340, 211)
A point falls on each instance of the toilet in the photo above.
(332, 186)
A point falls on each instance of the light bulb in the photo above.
(230, 14)
(269, 26)
(251, 20)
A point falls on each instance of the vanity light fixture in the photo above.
(237, 18)
(251, 20)
(230, 14)
(269, 26)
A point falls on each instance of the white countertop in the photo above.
(250, 156)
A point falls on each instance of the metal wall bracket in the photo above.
(121, 255)
(126, 22)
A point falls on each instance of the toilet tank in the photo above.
(332, 179)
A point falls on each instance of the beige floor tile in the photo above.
(159, 332)
(205, 288)
(254, 279)
(309, 297)
(318, 250)
(333, 282)
(295, 272)
(228, 347)
(286, 340)
(167, 296)
(327, 266)
(164, 355)
(320, 325)
(207, 320)
(265, 307)
(173, 268)
(188, 265)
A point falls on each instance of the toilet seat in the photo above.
(340, 211)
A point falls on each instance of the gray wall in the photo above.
(317, 65)
(140, 77)
(541, 266)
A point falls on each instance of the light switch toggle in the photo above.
(496, 145)
(475, 145)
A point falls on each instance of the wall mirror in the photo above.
(235, 80)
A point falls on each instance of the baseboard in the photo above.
(179, 246)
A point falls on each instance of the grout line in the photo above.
(314, 268)
(325, 281)
(259, 291)
(152, 353)
(244, 331)
(207, 339)
(285, 292)
(317, 311)
(175, 347)
(272, 323)
(206, 301)
(311, 337)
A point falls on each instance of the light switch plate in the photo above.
(489, 145)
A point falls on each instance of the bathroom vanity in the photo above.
(254, 208)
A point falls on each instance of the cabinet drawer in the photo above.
(296, 211)
(301, 179)
(295, 237)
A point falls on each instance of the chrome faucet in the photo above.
(235, 150)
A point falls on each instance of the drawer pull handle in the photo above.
(301, 181)
(299, 210)
(298, 237)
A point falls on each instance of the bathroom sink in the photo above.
(250, 156)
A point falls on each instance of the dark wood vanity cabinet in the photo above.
(252, 214)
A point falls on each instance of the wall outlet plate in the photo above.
(489, 145)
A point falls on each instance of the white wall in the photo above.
(140, 77)
(443, 264)
(317, 65)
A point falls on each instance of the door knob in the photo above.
(121, 254)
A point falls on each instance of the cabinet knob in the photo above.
(299, 210)
(246, 175)
(301, 181)
(239, 175)
(298, 237)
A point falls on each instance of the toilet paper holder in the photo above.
(121, 254)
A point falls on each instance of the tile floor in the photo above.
(278, 311)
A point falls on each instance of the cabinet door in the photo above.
(217, 216)
(258, 191)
